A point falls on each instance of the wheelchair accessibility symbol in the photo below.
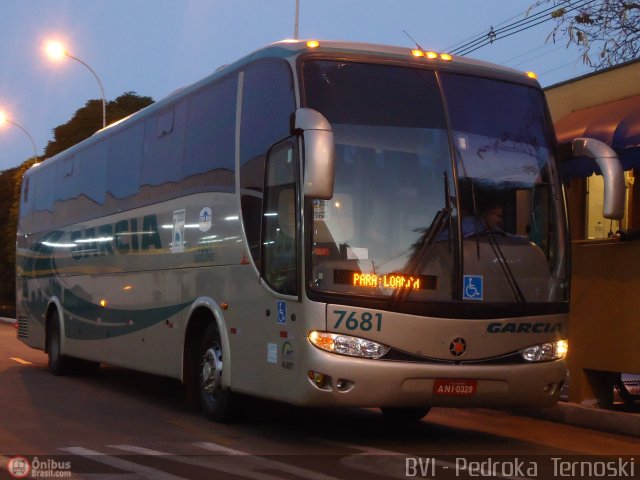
(472, 287)
(282, 312)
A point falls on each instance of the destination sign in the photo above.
(395, 281)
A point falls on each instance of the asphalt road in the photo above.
(125, 425)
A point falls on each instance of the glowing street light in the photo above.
(56, 51)
(4, 119)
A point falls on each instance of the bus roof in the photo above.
(288, 49)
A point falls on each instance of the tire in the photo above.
(58, 363)
(405, 414)
(216, 402)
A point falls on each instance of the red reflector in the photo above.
(233, 330)
(321, 251)
(283, 334)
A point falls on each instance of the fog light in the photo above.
(343, 385)
(319, 379)
(545, 352)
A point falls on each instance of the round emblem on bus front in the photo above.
(457, 347)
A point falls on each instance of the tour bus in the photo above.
(310, 224)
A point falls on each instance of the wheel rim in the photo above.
(211, 373)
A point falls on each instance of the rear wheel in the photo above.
(58, 363)
(216, 402)
(405, 414)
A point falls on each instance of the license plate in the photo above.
(455, 387)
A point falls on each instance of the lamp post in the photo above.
(56, 51)
(295, 28)
(4, 119)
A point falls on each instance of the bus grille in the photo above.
(23, 327)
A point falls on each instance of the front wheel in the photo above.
(405, 414)
(216, 402)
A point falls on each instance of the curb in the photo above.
(621, 423)
(7, 320)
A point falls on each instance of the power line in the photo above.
(519, 26)
(506, 62)
(449, 49)
(560, 67)
(497, 37)
(483, 37)
(544, 54)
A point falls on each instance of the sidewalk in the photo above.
(611, 421)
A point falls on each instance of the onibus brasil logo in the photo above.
(21, 467)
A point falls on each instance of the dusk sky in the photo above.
(154, 47)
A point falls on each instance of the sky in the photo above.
(154, 47)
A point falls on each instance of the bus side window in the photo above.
(279, 254)
(267, 104)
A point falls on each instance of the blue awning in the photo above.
(615, 123)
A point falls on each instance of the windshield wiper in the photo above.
(506, 269)
(425, 246)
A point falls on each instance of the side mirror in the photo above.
(319, 153)
(607, 160)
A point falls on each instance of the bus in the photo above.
(306, 225)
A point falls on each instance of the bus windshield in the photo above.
(444, 188)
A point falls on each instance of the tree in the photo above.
(607, 32)
(10, 181)
(88, 120)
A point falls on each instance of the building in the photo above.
(605, 281)
(604, 105)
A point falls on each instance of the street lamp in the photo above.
(56, 51)
(4, 119)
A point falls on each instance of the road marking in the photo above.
(219, 464)
(20, 360)
(214, 447)
(127, 466)
(267, 463)
(249, 467)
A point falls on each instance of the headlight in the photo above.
(546, 351)
(347, 345)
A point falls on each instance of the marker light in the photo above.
(347, 345)
(531, 75)
(313, 44)
(431, 55)
(417, 53)
(446, 57)
(546, 351)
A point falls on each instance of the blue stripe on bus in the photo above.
(85, 320)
